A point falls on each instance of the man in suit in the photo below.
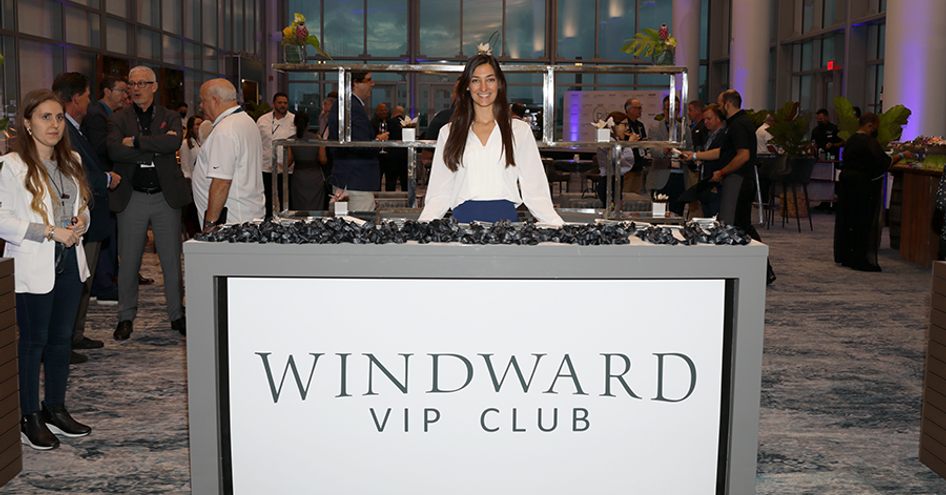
(73, 89)
(95, 129)
(143, 140)
(356, 173)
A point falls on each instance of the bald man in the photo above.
(228, 177)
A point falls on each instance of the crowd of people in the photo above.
(76, 206)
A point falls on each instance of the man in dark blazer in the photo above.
(73, 89)
(355, 172)
(95, 129)
(143, 140)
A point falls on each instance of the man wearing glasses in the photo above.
(95, 129)
(143, 140)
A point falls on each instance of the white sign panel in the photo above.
(424, 386)
(584, 107)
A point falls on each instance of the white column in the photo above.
(749, 51)
(686, 28)
(913, 56)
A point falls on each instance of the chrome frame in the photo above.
(548, 117)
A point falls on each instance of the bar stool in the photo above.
(798, 175)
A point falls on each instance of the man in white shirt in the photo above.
(228, 170)
(277, 124)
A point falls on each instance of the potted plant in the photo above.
(892, 121)
(657, 44)
(295, 38)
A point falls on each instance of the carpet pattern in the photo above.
(841, 391)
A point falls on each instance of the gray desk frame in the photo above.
(743, 264)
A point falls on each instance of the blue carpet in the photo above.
(841, 392)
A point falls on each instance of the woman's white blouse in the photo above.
(483, 175)
(189, 158)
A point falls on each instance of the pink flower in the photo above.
(663, 33)
(301, 34)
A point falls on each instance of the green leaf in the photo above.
(847, 121)
(891, 124)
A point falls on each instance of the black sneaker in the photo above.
(33, 432)
(77, 358)
(60, 422)
(87, 343)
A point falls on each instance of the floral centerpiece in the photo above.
(655, 43)
(295, 37)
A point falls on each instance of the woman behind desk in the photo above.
(479, 169)
(619, 132)
(43, 214)
(857, 225)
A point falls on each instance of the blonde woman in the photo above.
(43, 215)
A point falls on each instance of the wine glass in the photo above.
(382, 128)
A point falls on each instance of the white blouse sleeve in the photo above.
(440, 187)
(533, 183)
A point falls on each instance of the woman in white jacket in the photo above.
(43, 214)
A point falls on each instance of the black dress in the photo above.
(860, 192)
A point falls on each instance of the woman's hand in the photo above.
(67, 237)
(79, 225)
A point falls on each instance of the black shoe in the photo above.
(769, 276)
(77, 358)
(87, 343)
(123, 330)
(144, 281)
(33, 432)
(59, 421)
(180, 325)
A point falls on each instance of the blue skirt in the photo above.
(485, 211)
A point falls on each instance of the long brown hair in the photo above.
(462, 117)
(37, 179)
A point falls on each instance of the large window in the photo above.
(174, 37)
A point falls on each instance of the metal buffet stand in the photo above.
(614, 200)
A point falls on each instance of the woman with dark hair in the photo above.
(307, 188)
(619, 132)
(190, 148)
(860, 193)
(43, 215)
(484, 157)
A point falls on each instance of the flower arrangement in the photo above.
(655, 43)
(297, 34)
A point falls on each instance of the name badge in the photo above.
(146, 165)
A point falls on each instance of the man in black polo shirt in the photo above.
(738, 152)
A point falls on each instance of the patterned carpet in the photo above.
(841, 398)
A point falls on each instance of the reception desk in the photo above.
(448, 368)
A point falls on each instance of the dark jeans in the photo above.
(268, 192)
(601, 188)
(674, 189)
(46, 322)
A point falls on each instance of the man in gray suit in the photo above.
(142, 141)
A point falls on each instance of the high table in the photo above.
(912, 206)
(448, 368)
